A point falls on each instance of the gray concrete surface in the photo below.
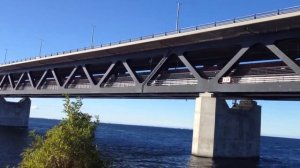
(221, 131)
(15, 114)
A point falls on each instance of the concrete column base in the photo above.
(14, 114)
(220, 131)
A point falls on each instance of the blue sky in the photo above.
(65, 25)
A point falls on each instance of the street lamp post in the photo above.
(93, 33)
(41, 45)
(5, 56)
(177, 15)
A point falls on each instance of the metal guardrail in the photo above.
(264, 79)
(183, 30)
(173, 82)
(119, 84)
(80, 86)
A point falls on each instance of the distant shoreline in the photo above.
(165, 127)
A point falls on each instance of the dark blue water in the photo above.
(137, 146)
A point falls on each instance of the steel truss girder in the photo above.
(141, 88)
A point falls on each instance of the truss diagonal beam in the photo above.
(190, 68)
(55, 78)
(289, 62)
(43, 78)
(10, 81)
(230, 64)
(88, 75)
(70, 77)
(30, 79)
(20, 80)
(107, 73)
(2, 80)
(131, 73)
(157, 68)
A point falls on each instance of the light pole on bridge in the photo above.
(177, 15)
(41, 45)
(5, 56)
(93, 33)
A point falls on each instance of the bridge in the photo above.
(252, 57)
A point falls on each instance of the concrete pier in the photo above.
(221, 131)
(14, 114)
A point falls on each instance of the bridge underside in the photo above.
(187, 96)
(260, 66)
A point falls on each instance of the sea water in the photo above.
(140, 146)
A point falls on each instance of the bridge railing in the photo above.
(182, 30)
(263, 79)
(173, 82)
(119, 84)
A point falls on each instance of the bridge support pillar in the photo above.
(221, 131)
(14, 114)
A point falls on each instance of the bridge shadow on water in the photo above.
(200, 162)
